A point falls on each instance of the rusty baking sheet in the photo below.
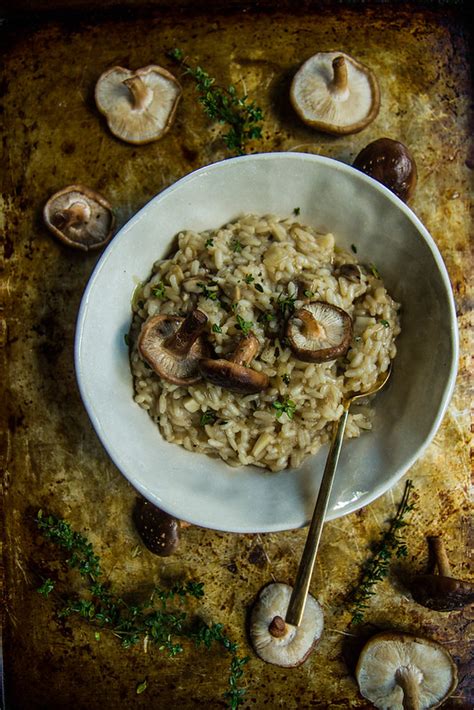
(50, 457)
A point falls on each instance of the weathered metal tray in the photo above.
(49, 455)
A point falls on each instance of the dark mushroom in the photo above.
(397, 670)
(319, 332)
(79, 217)
(159, 531)
(277, 642)
(390, 163)
(235, 373)
(172, 346)
(441, 592)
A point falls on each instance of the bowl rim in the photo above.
(377, 491)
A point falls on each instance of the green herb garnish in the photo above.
(296, 211)
(159, 290)
(244, 325)
(286, 304)
(374, 270)
(308, 293)
(225, 106)
(209, 243)
(354, 248)
(286, 379)
(208, 417)
(236, 246)
(133, 623)
(141, 687)
(216, 328)
(126, 338)
(46, 588)
(211, 293)
(266, 317)
(377, 568)
(385, 323)
(287, 406)
(249, 278)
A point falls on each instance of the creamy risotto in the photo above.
(254, 276)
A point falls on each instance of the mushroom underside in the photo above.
(133, 120)
(292, 646)
(79, 217)
(388, 661)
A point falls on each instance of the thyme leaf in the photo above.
(286, 406)
(242, 117)
(152, 620)
(377, 568)
(244, 325)
(159, 290)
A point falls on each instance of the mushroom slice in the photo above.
(390, 163)
(172, 347)
(274, 640)
(139, 106)
(441, 592)
(79, 217)
(235, 373)
(404, 672)
(335, 93)
(158, 530)
(318, 332)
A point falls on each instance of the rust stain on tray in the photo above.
(50, 456)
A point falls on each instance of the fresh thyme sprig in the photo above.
(225, 106)
(377, 568)
(131, 623)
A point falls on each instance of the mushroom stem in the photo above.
(408, 678)
(312, 327)
(277, 627)
(339, 82)
(188, 332)
(439, 552)
(245, 350)
(77, 213)
(141, 94)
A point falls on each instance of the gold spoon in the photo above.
(305, 570)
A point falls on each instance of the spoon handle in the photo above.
(299, 595)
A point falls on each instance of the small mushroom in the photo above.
(351, 272)
(79, 217)
(390, 163)
(235, 373)
(400, 671)
(277, 642)
(172, 347)
(441, 592)
(318, 332)
(159, 531)
(140, 105)
(335, 93)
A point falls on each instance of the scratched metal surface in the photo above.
(50, 456)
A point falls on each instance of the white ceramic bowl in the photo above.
(331, 196)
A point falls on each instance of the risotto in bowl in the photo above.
(226, 322)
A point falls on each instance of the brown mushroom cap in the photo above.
(390, 163)
(235, 373)
(172, 346)
(279, 643)
(398, 670)
(139, 106)
(158, 530)
(441, 592)
(319, 332)
(335, 93)
(79, 217)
